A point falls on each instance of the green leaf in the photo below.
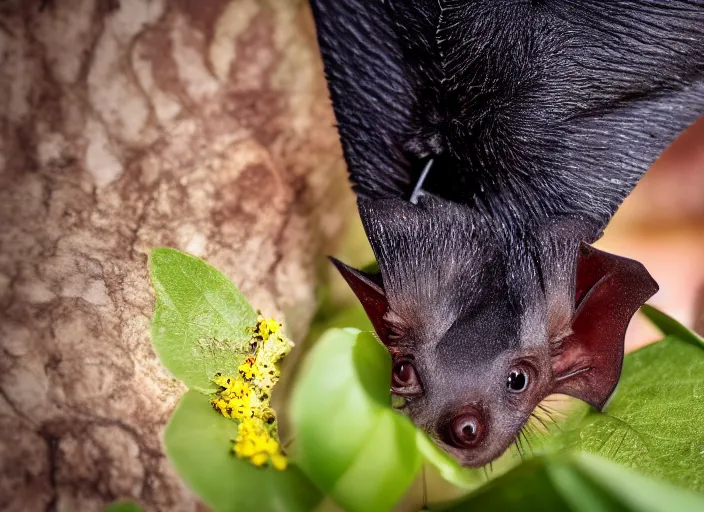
(637, 491)
(578, 483)
(526, 484)
(652, 422)
(352, 316)
(671, 327)
(349, 440)
(199, 444)
(124, 506)
(200, 318)
(448, 467)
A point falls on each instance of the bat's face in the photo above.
(473, 383)
(482, 326)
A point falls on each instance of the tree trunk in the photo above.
(126, 125)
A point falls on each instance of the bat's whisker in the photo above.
(523, 433)
(542, 422)
(518, 448)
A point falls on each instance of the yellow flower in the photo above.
(266, 327)
(232, 387)
(266, 383)
(249, 369)
(279, 461)
(246, 397)
(254, 442)
(236, 399)
(222, 406)
(274, 348)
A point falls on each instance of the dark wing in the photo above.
(373, 88)
(638, 73)
(559, 107)
(530, 109)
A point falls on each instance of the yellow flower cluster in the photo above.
(236, 398)
(246, 397)
(255, 442)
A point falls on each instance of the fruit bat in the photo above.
(489, 143)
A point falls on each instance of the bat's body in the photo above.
(539, 118)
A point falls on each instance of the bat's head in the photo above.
(483, 322)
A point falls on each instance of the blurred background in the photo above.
(661, 224)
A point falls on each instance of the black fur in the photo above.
(530, 108)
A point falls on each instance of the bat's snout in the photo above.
(465, 430)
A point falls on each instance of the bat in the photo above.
(489, 143)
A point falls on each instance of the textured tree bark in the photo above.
(125, 125)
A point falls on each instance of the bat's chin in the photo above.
(478, 456)
(470, 439)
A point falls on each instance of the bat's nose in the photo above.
(465, 430)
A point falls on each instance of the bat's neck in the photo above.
(522, 201)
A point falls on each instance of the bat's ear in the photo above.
(609, 291)
(370, 293)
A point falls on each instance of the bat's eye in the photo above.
(404, 374)
(517, 380)
(404, 380)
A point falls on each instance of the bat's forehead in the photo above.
(478, 307)
(492, 321)
(480, 335)
(468, 288)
